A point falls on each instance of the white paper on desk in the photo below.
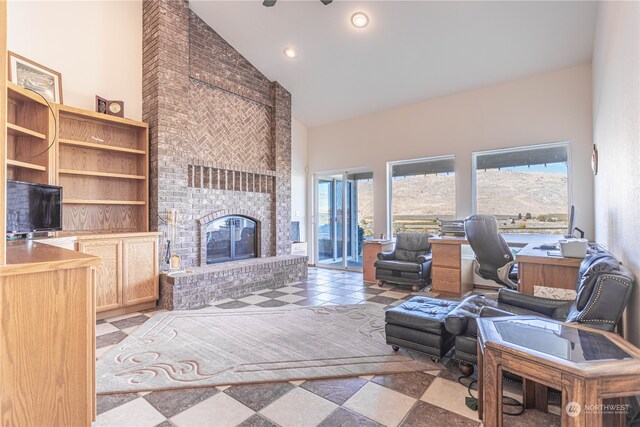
(554, 253)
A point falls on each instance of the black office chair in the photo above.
(494, 260)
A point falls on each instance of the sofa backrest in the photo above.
(409, 246)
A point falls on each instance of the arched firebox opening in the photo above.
(230, 238)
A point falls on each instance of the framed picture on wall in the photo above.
(33, 76)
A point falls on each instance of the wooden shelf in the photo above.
(100, 146)
(101, 174)
(86, 114)
(25, 165)
(103, 202)
(21, 94)
(13, 129)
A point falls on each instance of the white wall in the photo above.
(299, 138)
(616, 132)
(96, 45)
(551, 107)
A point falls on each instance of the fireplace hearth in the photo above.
(231, 238)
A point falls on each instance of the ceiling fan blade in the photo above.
(269, 3)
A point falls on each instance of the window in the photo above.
(422, 192)
(526, 189)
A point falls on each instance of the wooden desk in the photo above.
(47, 324)
(587, 367)
(537, 268)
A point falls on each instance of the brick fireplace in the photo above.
(220, 134)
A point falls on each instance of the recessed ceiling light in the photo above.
(359, 20)
(290, 52)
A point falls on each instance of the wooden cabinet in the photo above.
(128, 278)
(446, 268)
(140, 270)
(108, 274)
(370, 251)
(47, 324)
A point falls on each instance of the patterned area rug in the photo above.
(214, 347)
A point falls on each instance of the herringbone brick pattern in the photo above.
(242, 138)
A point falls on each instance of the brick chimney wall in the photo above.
(220, 131)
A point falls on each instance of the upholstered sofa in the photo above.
(603, 288)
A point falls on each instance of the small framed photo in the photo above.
(101, 105)
(33, 76)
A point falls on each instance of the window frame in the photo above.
(389, 200)
(474, 169)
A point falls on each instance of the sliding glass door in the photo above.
(344, 212)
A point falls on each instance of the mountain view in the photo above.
(522, 201)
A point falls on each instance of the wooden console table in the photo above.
(586, 364)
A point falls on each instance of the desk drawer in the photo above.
(445, 255)
(445, 280)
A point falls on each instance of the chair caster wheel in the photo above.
(466, 368)
(380, 282)
(435, 359)
(415, 288)
(395, 347)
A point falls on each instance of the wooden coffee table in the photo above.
(586, 364)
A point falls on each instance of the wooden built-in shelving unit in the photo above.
(103, 169)
(29, 149)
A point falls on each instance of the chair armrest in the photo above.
(424, 258)
(387, 256)
(544, 306)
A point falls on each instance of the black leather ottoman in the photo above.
(418, 324)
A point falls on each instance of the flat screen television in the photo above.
(33, 207)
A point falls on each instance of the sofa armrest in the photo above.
(488, 311)
(424, 258)
(556, 309)
(389, 256)
(607, 302)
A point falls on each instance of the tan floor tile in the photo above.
(394, 294)
(220, 409)
(381, 404)
(123, 316)
(299, 408)
(105, 328)
(136, 413)
(449, 395)
(254, 299)
(289, 289)
(290, 298)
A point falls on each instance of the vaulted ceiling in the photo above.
(410, 51)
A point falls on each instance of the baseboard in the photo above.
(125, 310)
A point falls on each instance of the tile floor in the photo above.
(432, 398)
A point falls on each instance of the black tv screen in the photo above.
(33, 207)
